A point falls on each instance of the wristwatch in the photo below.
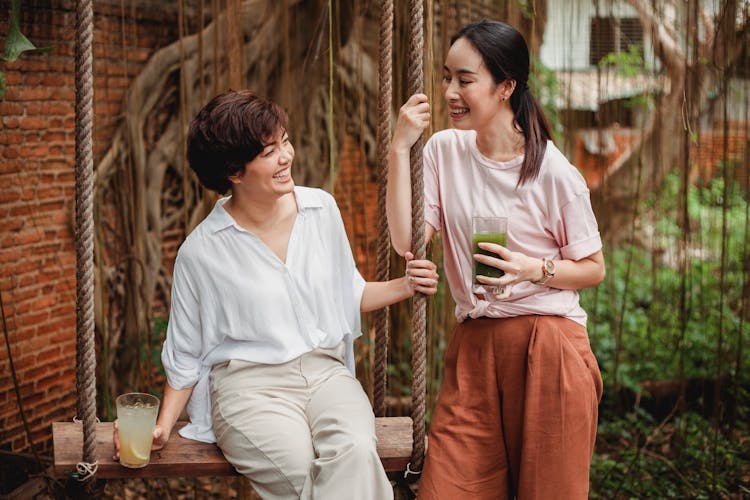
(548, 271)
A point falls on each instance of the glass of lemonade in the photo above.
(136, 418)
(489, 230)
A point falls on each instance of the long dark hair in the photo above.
(506, 55)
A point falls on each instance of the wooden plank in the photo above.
(395, 439)
(187, 458)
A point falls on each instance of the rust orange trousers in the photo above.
(517, 413)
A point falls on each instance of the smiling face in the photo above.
(269, 174)
(473, 97)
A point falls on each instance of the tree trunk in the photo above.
(665, 142)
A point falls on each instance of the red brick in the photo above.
(10, 255)
(34, 151)
(13, 78)
(33, 123)
(27, 94)
(11, 122)
(10, 108)
(50, 137)
(11, 152)
(10, 138)
(62, 94)
(27, 238)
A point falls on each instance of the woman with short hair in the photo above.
(265, 306)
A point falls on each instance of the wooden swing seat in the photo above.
(187, 458)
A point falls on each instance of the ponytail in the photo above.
(506, 55)
(530, 120)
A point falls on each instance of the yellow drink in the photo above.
(136, 418)
(484, 269)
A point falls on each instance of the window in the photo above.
(613, 34)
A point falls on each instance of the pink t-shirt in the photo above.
(550, 217)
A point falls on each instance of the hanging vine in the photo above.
(147, 190)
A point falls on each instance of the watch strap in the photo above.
(546, 273)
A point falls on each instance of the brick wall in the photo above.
(37, 254)
(706, 153)
(356, 193)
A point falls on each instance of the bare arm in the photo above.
(569, 274)
(421, 276)
(172, 404)
(413, 118)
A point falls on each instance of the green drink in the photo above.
(487, 230)
(484, 269)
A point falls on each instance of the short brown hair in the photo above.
(228, 132)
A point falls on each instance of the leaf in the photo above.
(16, 43)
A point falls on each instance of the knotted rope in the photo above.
(85, 354)
(418, 360)
(383, 261)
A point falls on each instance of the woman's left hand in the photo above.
(517, 266)
(421, 275)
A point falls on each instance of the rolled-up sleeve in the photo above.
(181, 354)
(578, 229)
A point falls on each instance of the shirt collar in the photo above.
(220, 219)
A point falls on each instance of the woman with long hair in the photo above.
(517, 413)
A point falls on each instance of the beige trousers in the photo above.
(302, 429)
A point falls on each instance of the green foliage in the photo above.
(628, 63)
(671, 308)
(544, 84)
(639, 458)
(15, 42)
(641, 301)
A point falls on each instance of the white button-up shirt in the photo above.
(233, 298)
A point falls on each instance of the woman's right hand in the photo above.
(413, 119)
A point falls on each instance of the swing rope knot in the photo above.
(85, 471)
(408, 472)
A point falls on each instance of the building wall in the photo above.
(568, 30)
(37, 195)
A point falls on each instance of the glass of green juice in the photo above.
(489, 230)
(136, 418)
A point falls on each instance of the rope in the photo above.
(383, 261)
(85, 355)
(418, 360)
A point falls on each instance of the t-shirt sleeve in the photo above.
(577, 227)
(182, 348)
(431, 186)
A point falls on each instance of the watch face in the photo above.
(549, 267)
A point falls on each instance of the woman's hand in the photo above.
(159, 440)
(517, 266)
(413, 119)
(421, 275)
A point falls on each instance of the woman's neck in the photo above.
(260, 214)
(501, 141)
